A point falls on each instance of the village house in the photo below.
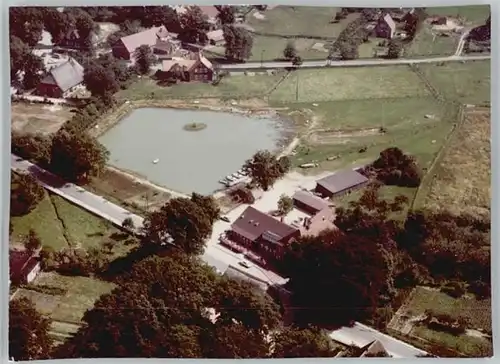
(340, 183)
(385, 27)
(195, 68)
(158, 38)
(216, 37)
(24, 266)
(61, 80)
(257, 230)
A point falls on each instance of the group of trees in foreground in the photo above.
(171, 307)
(170, 304)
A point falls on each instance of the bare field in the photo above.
(123, 190)
(349, 84)
(38, 118)
(462, 180)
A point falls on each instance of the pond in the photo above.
(188, 160)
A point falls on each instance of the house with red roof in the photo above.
(194, 68)
(256, 229)
(24, 266)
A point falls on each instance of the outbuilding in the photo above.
(340, 183)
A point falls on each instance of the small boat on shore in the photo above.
(156, 161)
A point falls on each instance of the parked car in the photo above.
(245, 264)
(224, 218)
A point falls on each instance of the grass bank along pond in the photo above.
(153, 143)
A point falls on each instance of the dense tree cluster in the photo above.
(182, 223)
(227, 14)
(29, 337)
(77, 157)
(194, 26)
(393, 167)
(174, 307)
(25, 194)
(354, 34)
(265, 169)
(238, 41)
(73, 156)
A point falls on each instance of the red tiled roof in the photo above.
(342, 180)
(310, 200)
(252, 223)
(21, 263)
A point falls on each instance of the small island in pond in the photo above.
(194, 126)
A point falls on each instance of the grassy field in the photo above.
(454, 186)
(426, 44)
(306, 25)
(236, 86)
(61, 225)
(472, 14)
(348, 84)
(478, 314)
(65, 310)
(38, 118)
(465, 82)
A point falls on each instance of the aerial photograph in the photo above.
(250, 181)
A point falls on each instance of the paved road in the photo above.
(361, 335)
(352, 63)
(215, 255)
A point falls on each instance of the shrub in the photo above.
(480, 289)
(454, 289)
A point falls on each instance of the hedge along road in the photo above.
(215, 255)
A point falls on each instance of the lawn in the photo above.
(236, 86)
(348, 84)
(67, 309)
(462, 178)
(472, 14)
(344, 127)
(61, 224)
(43, 220)
(305, 25)
(299, 21)
(478, 314)
(468, 82)
(426, 44)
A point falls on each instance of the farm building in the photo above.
(196, 68)
(24, 266)
(125, 47)
(61, 79)
(216, 37)
(256, 228)
(386, 27)
(340, 183)
(306, 201)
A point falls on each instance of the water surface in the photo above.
(189, 161)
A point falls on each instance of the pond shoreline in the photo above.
(122, 111)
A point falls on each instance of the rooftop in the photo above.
(252, 223)
(310, 200)
(342, 180)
